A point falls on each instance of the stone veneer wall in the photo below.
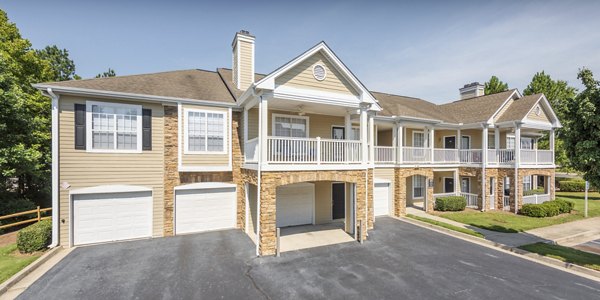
(401, 175)
(528, 172)
(268, 189)
(173, 178)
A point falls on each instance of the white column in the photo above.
(552, 143)
(400, 140)
(458, 140)
(431, 141)
(517, 163)
(347, 126)
(395, 142)
(363, 134)
(371, 139)
(497, 144)
(456, 183)
(484, 152)
(264, 125)
(245, 125)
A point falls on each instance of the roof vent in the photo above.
(471, 90)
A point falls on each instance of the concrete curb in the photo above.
(579, 238)
(551, 262)
(27, 270)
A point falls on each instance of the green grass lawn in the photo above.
(11, 262)
(565, 254)
(510, 222)
(447, 226)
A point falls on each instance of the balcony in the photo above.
(419, 155)
(306, 151)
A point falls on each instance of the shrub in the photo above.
(34, 237)
(533, 210)
(537, 191)
(547, 209)
(450, 203)
(572, 185)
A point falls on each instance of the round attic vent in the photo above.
(319, 72)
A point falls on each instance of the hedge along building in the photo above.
(191, 151)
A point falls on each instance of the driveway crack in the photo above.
(254, 284)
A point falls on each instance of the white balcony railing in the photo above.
(470, 156)
(251, 151)
(536, 199)
(441, 155)
(536, 157)
(385, 154)
(416, 155)
(471, 199)
(312, 151)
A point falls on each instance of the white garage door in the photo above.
(295, 203)
(205, 209)
(111, 217)
(381, 196)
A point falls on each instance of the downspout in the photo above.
(55, 192)
(258, 172)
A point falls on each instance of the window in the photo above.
(205, 131)
(526, 183)
(290, 126)
(114, 127)
(355, 133)
(491, 142)
(506, 186)
(526, 143)
(418, 186)
(510, 142)
(492, 186)
(418, 139)
(465, 142)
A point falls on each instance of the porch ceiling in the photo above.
(308, 107)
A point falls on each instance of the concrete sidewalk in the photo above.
(567, 234)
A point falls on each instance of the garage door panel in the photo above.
(205, 209)
(295, 204)
(111, 217)
(381, 195)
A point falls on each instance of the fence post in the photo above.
(39, 216)
(278, 248)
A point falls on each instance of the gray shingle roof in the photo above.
(395, 105)
(519, 108)
(478, 109)
(188, 84)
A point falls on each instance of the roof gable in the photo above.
(344, 78)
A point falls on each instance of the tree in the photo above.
(24, 118)
(582, 128)
(109, 73)
(559, 94)
(495, 85)
(62, 65)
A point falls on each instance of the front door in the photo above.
(338, 194)
(338, 133)
(465, 185)
(448, 185)
(450, 142)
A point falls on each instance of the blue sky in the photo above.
(425, 50)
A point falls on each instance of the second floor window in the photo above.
(418, 139)
(115, 127)
(290, 126)
(205, 131)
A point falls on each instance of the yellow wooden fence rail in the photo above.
(38, 211)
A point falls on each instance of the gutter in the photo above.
(55, 192)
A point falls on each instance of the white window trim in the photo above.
(444, 184)
(88, 127)
(345, 134)
(444, 141)
(493, 186)
(424, 187)
(206, 111)
(413, 139)
(289, 116)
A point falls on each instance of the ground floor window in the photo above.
(418, 186)
(492, 185)
(506, 186)
(527, 183)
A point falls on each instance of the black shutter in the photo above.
(146, 129)
(80, 126)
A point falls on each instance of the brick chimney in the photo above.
(243, 59)
(471, 90)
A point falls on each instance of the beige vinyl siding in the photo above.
(543, 117)
(409, 136)
(246, 57)
(234, 69)
(439, 137)
(81, 169)
(503, 109)
(385, 138)
(318, 125)
(387, 174)
(203, 159)
(323, 202)
(252, 123)
(476, 135)
(302, 76)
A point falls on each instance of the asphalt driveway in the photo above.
(399, 260)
